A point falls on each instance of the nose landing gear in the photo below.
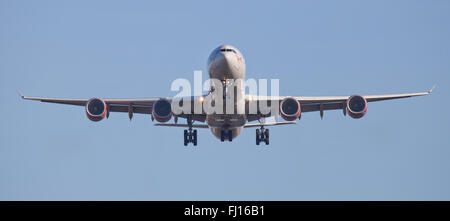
(226, 135)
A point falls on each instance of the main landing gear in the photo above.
(190, 135)
(226, 135)
(262, 135)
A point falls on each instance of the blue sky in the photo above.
(399, 151)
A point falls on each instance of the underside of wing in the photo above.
(340, 102)
(79, 102)
(98, 108)
(323, 103)
(82, 102)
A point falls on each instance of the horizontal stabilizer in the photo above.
(270, 124)
(183, 125)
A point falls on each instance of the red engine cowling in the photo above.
(290, 109)
(356, 106)
(162, 110)
(96, 109)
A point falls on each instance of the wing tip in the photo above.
(20, 94)
(432, 89)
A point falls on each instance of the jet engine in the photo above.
(290, 109)
(96, 109)
(162, 110)
(356, 106)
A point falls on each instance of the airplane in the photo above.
(227, 63)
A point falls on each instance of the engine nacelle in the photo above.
(162, 110)
(96, 109)
(290, 109)
(356, 106)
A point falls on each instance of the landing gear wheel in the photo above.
(222, 136)
(195, 138)
(266, 133)
(258, 135)
(228, 135)
(185, 137)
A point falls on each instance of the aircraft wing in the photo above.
(139, 105)
(309, 104)
(128, 105)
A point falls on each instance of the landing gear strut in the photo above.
(262, 135)
(226, 135)
(190, 135)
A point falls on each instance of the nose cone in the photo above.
(222, 66)
(226, 62)
(225, 59)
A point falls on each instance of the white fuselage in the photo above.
(226, 63)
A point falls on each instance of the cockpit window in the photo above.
(228, 50)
